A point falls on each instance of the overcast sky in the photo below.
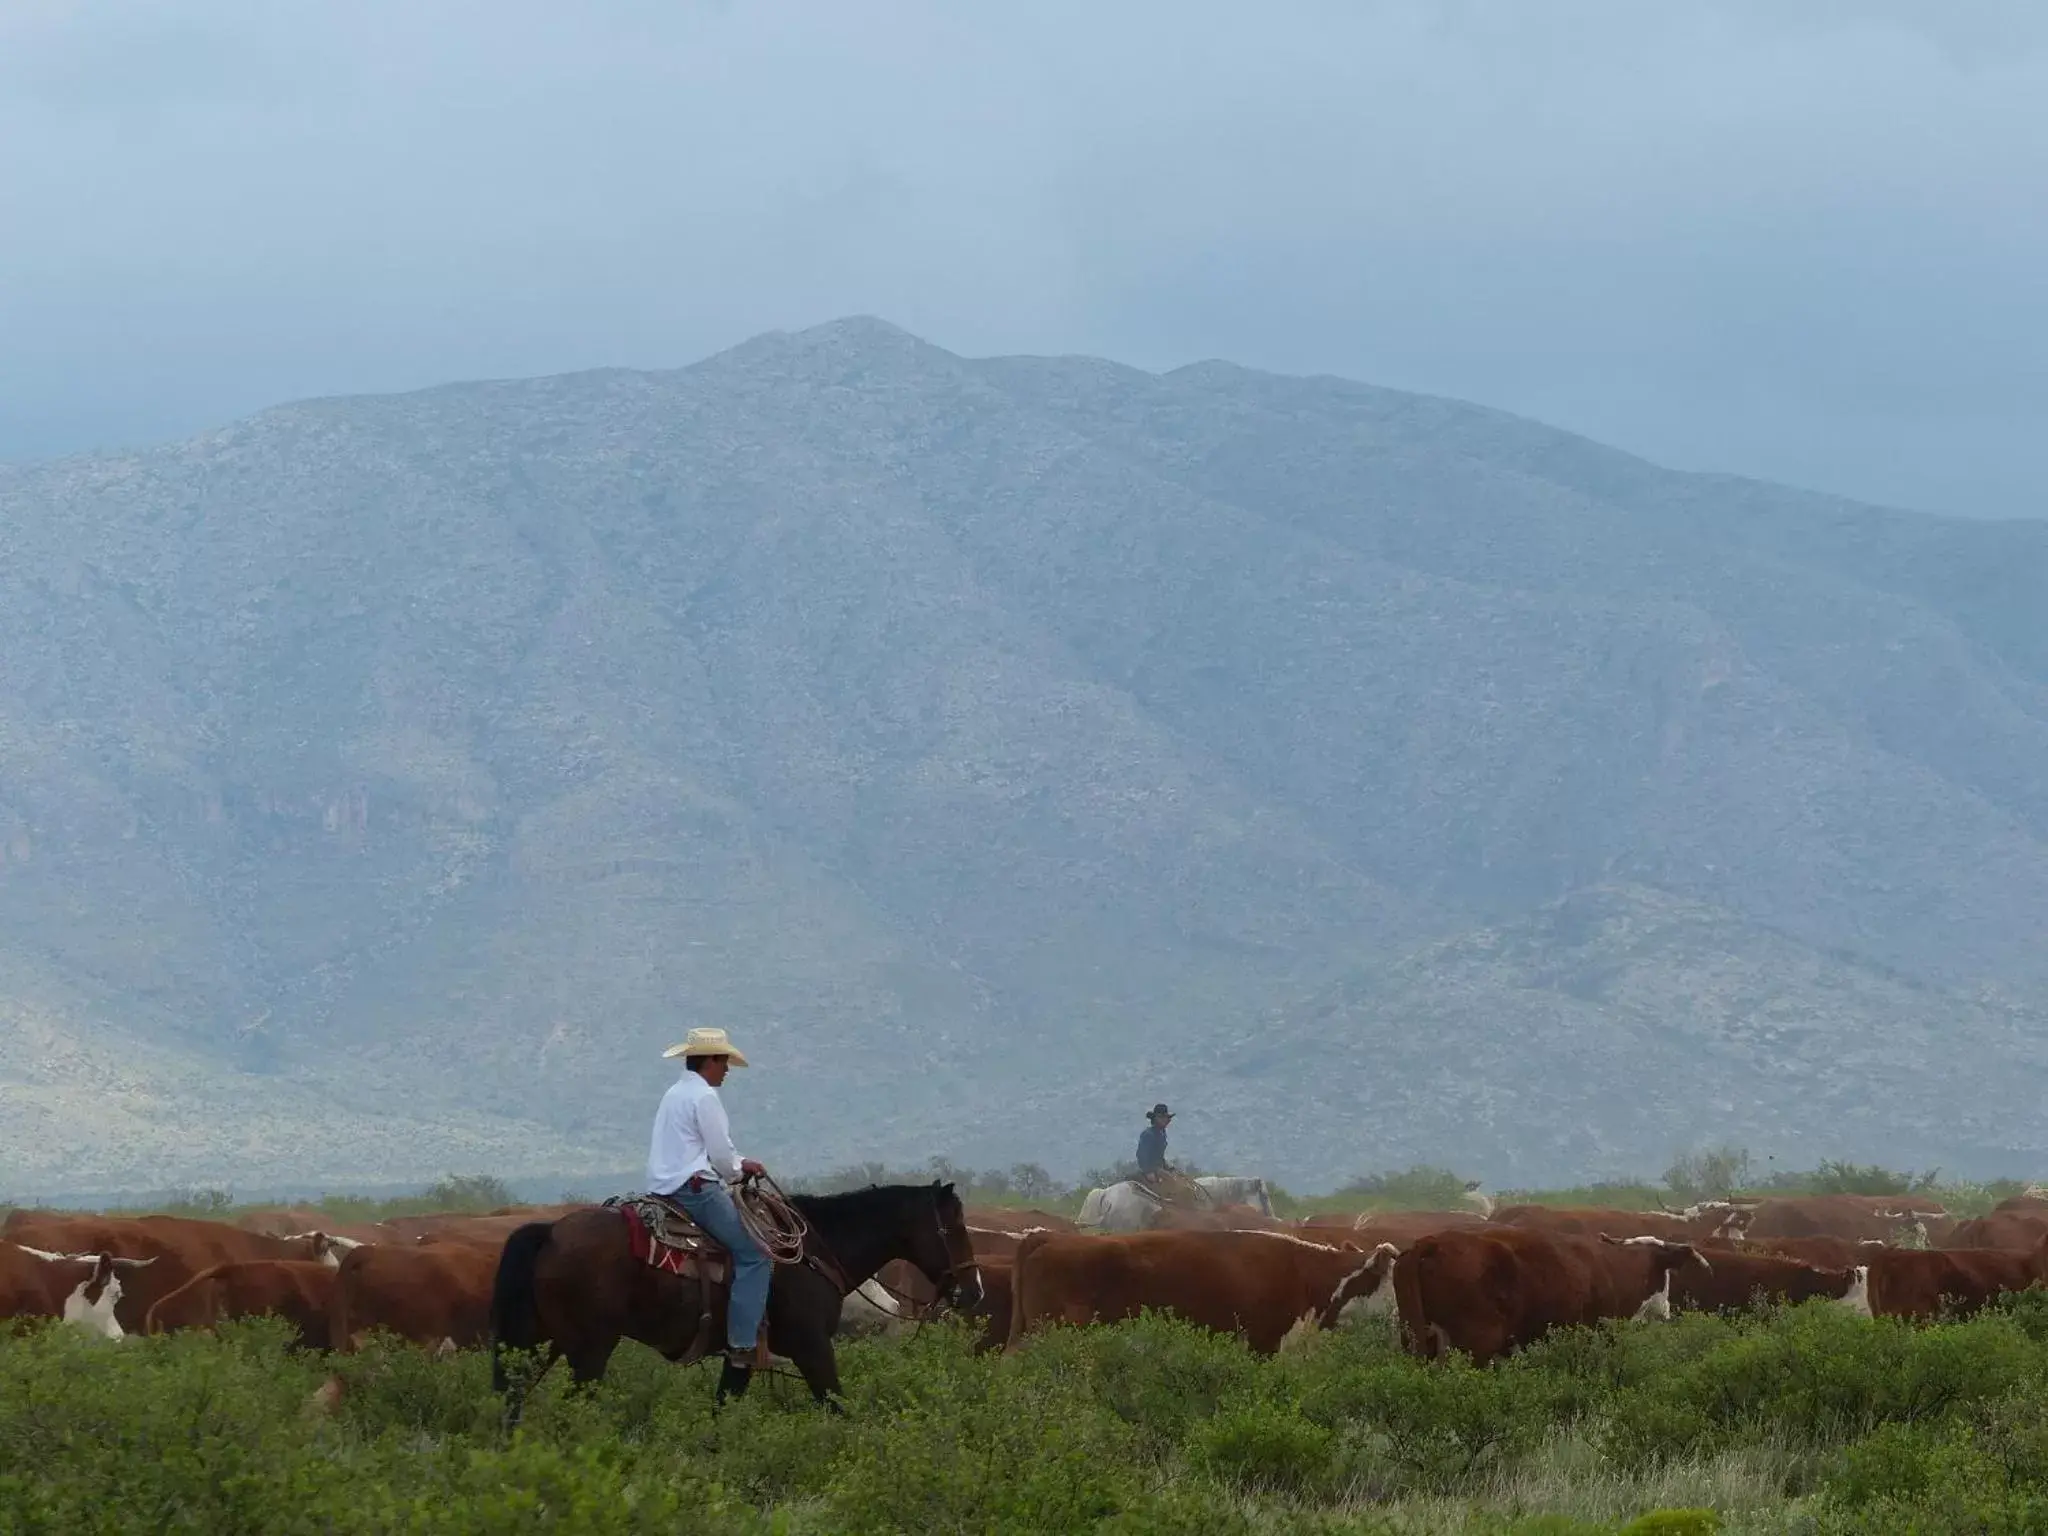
(1798, 240)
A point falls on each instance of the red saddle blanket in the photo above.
(700, 1259)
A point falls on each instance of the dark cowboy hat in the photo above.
(1159, 1110)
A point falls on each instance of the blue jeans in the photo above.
(712, 1209)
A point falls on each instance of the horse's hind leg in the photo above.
(523, 1378)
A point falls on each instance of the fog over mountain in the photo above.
(996, 746)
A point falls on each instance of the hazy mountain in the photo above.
(995, 747)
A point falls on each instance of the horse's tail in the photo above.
(514, 1320)
(1020, 1267)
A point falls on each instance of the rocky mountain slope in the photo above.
(997, 746)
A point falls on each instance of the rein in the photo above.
(921, 1313)
(918, 1312)
(774, 1222)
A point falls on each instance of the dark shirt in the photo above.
(1151, 1149)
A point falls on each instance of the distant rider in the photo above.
(1152, 1144)
(1160, 1178)
(691, 1160)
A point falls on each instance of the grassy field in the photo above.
(1801, 1421)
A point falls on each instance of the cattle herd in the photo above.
(1484, 1282)
(425, 1278)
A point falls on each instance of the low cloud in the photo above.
(1798, 242)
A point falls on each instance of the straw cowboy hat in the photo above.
(708, 1042)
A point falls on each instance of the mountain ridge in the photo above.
(937, 720)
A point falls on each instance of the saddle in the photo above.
(1174, 1190)
(663, 1237)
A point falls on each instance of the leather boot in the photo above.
(733, 1381)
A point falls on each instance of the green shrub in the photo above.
(1156, 1374)
(469, 1192)
(1420, 1188)
(1264, 1445)
(1715, 1173)
(1833, 1178)
(1673, 1522)
(1149, 1426)
(1894, 1462)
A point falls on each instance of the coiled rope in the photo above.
(771, 1220)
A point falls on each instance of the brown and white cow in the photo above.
(900, 1297)
(995, 1303)
(1001, 1242)
(1929, 1283)
(1881, 1218)
(1698, 1225)
(1489, 1291)
(1733, 1279)
(1821, 1252)
(83, 1289)
(2019, 1230)
(1405, 1228)
(488, 1230)
(427, 1293)
(180, 1245)
(280, 1220)
(1003, 1218)
(296, 1221)
(294, 1289)
(1257, 1285)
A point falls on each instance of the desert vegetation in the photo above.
(1801, 1420)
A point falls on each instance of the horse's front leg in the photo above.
(813, 1355)
(589, 1355)
(803, 1313)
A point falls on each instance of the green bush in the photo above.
(1833, 1178)
(1674, 1522)
(1715, 1173)
(1836, 1424)
(1264, 1445)
(470, 1192)
(1420, 1188)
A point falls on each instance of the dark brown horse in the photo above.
(572, 1287)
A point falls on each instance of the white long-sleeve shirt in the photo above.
(691, 1136)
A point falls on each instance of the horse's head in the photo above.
(941, 1248)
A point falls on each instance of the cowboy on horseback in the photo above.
(1155, 1174)
(573, 1287)
(691, 1162)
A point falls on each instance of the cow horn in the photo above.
(132, 1263)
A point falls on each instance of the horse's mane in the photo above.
(863, 1205)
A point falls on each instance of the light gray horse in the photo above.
(1131, 1207)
